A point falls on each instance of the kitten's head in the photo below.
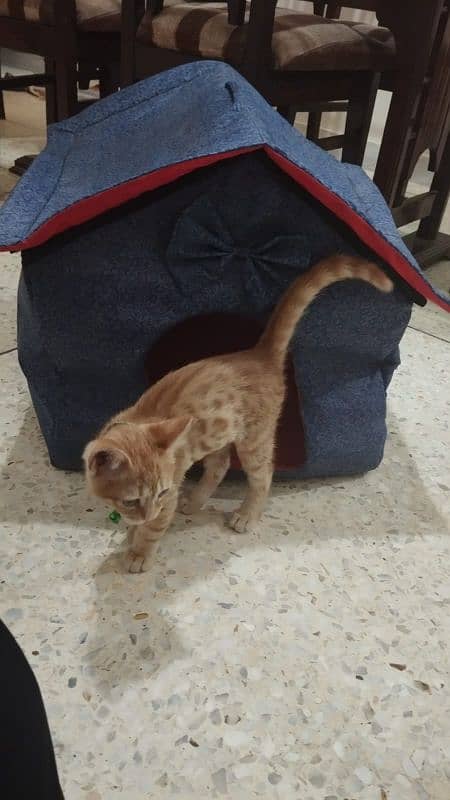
(132, 466)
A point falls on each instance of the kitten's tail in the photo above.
(281, 326)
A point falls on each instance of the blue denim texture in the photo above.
(189, 112)
(229, 238)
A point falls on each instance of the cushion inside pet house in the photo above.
(162, 224)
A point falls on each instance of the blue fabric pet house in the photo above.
(162, 225)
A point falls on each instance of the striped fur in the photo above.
(196, 413)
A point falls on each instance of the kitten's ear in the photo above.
(101, 459)
(165, 434)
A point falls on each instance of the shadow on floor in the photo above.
(195, 549)
(61, 498)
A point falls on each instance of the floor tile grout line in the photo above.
(7, 352)
(427, 333)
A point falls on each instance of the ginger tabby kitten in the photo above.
(139, 460)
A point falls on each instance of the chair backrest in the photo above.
(236, 11)
(66, 12)
(259, 41)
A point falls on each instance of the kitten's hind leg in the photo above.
(256, 457)
(215, 467)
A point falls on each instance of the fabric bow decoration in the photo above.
(210, 245)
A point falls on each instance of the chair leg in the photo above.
(66, 88)
(86, 73)
(288, 112)
(359, 118)
(131, 14)
(389, 172)
(430, 226)
(109, 79)
(50, 94)
(2, 104)
(314, 123)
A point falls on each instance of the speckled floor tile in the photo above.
(309, 661)
(7, 183)
(21, 133)
(306, 662)
(21, 145)
(432, 319)
(9, 277)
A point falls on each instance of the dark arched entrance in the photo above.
(214, 334)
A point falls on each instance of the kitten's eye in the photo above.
(161, 494)
(131, 503)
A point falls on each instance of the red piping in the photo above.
(363, 230)
(91, 207)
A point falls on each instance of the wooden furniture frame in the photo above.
(419, 115)
(70, 56)
(288, 91)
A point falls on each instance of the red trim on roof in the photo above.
(363, 230)
(91, 207)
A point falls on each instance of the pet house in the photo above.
(161, 225)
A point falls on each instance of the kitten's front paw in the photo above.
(136, 562)
(241, 522)
(188, 505)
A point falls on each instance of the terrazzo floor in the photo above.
(309, 661)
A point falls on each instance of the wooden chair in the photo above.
(77, 39)
(419, 115)
(297, 61)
